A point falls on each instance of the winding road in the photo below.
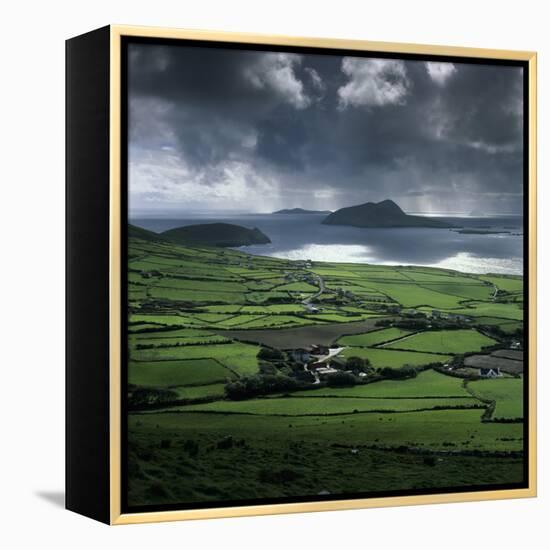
(321, 284)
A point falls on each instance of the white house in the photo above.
(493, 372)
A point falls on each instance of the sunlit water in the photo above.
(298, 237)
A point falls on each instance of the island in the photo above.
(216, 234)
(477, 231)
(302, 211)
(382, 214)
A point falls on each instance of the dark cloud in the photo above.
(226, 128)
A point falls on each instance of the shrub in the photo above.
(339, 379)
(358, 364)
(400, 373)
(259, 384)
(270, 354)
(268, 368)
(147, 397)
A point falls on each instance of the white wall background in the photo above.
(32, 272)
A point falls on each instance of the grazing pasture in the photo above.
(178, 373)
(321, 406)
(381, 357)
(444, 341)
(507, 394)
(428, 383)
(373, 338)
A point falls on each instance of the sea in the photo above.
(302, 236)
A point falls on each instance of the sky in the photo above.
(226, 130)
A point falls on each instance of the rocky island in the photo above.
(382, 214)
(216, 234)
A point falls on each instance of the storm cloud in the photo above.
(244, 130)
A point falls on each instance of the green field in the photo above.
(308, 455)
(198, 318)
(320, 406)
(199, 392)
(430, 430)
(394, 358)
(444, 341)
(507, 284)
(426, 384)
(506, 392)
(178, 373)
(373, 338)
(237, 356)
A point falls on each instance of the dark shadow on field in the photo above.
(56, 498)
(287, 338)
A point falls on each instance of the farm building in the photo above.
(411, 312)
(324, 370)
(300, 355)
(493, 372)
(318, 349)
(328, 359)
(458, 317)
(318, 358)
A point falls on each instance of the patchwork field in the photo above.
(507, 394)
(374, 338)
(428, 383)
(393, 358)
(444, 341)
(223, 349)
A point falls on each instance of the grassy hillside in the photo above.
(200, 320)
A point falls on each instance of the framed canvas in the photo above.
(300, 274)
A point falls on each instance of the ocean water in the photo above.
(300, 237)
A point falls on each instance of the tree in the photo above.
(358, 364)
(259, 384)
(268, 368)
(403, 372)
(270, 354)
(340, 378)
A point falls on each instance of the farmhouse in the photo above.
(410, 312)
(327, 358)
(458, 317)
(312, 309)
(300, 355)
(493, 372)
(317, 349)
(318, 359)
